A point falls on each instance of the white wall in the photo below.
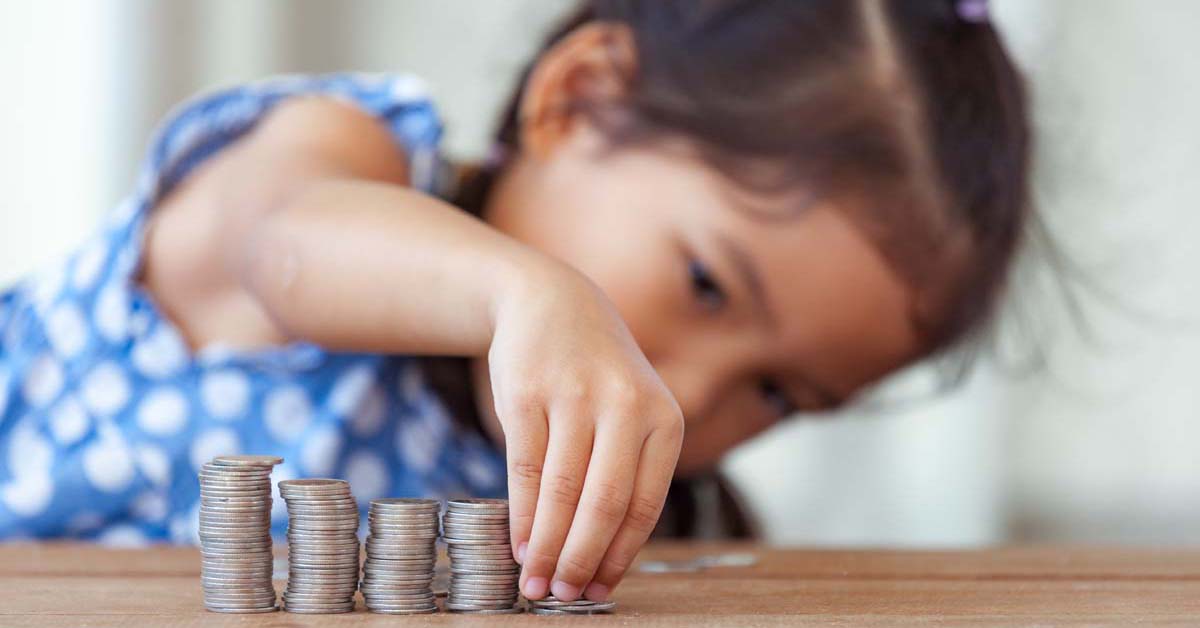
(1099, 446)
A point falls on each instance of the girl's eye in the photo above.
(775, 397)
(704, 286)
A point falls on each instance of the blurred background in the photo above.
(1100, 444)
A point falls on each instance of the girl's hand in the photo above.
(592, 435)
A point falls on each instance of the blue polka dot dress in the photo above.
(106, 415)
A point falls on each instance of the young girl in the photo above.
(712, 214)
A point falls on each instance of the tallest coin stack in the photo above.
(235, 534)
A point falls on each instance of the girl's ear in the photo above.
(594, 63)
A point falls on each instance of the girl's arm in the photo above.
(303, 230)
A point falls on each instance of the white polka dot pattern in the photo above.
(106, 389)
(163, 412)
(225, 394)
(287, 413)
(106, 414)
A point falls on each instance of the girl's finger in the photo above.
(525, 436)
(657, 465)
(567, 455)
(602, 506)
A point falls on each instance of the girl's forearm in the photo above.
(357, 265)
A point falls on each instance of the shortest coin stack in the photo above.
(401, 553)
(322, 546)
(235, 534)
(551, 606)
(483, 574)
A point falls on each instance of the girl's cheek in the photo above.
(705, 444)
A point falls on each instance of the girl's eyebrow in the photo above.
(751, 277)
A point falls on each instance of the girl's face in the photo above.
(746, 319)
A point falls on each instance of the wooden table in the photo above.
(79, 585)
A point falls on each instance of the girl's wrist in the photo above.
(524, 278)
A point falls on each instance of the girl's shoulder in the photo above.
(204, 124)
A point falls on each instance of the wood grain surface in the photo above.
(82, 585)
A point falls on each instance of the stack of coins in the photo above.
(235, 534)
(401, 554)
(549, 605)
(322, 546)
(483, 574)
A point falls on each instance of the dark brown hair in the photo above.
(911, 118)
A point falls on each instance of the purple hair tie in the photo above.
(972, 11)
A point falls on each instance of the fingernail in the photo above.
(535, 588)
(596, 592)
(563, 591)
(521, 552)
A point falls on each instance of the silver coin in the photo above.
(317, 552)
(229, 470)
(400, 563)
(411, 588)
(207, 584)
(258, 518)
(401, 543)
(477, 503)
(400, 553)
(325, 516)
(313, 494)
(399, 540)
(402, 526)
(483, 597)
(222, 489)
(552, 602)
(405, 611)
(326, 603)
(407, 503)
(213, 491)
(233, 525)
(238, 609)
(247, 461)
(321, 610)
(218, 503)
(321, 584)
(399, 560)
(320, 536)
(207, 536)
(476, 586)
(313, 526)
(340, 542)
(499, 549)
(470, 569)
(243, 570)
(231, 509)
(333, 597)
(240, 544)
(534, 610)
(239, 596)
(403, 517)
(222, 554)
(322, 562)
(398, 580)
(516, 610)
(401, 597)
(341, 504)
(470, 608)
(456, 519)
